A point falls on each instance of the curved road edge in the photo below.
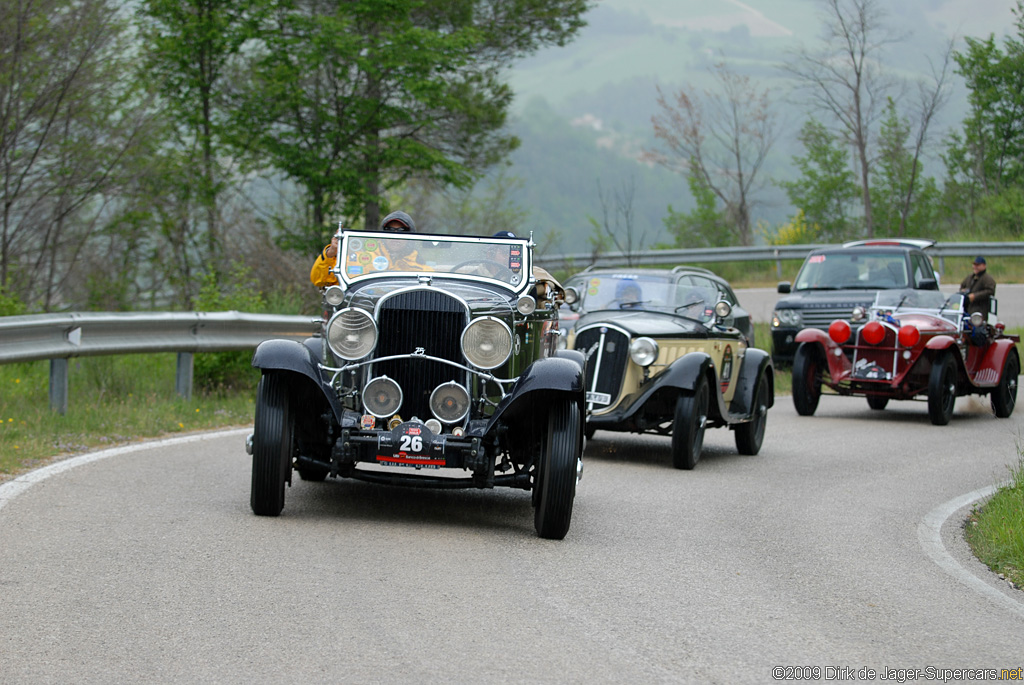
(929, 534)
(18, 485)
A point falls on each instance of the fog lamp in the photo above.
(873, 333)
(382, 397)
(449, 402)
(839, 331)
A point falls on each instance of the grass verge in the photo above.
(111, 401)
(995, 529)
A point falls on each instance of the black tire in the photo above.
(942, 390)
(556, 474)
(271, 446)
(1004, 397)
(750, 435)
(877, 402)
(807, 368)
(688, 426)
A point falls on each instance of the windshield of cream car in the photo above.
(691, 296)
(503, 260)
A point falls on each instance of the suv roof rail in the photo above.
(920, 243)
(699, 269)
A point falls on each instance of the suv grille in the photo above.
(614, 357)
(424, 319)
(820, 316)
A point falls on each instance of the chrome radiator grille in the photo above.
(607, 362)
(417, 319)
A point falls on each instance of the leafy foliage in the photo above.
(703, 226)
(826, 191)
(352, 100)
(985, 161)
(238, 291)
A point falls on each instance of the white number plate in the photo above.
(599, 397)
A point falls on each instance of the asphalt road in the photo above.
(839, 546)
(760, 302)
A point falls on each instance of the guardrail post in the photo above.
(183, 378)
(59, 385)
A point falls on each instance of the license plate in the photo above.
(599, 397)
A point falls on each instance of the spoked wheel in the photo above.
(750, 435)
(555, 481)
(876, 402)
(807, 368)
(942, 390)
(688, 428)
(271, 446)
(1004, 397)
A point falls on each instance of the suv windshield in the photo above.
(917, 300)
(503, 260)
(853, 269)
(650, 293)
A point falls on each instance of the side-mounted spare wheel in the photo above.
(555, 479)
(271, 445)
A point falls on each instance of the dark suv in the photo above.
(833, 280)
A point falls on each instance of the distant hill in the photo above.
(584, 111)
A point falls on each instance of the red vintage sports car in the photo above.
(915, 343)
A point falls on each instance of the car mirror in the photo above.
(928, 284)
(784, 287)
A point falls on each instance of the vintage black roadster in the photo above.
(436, 367)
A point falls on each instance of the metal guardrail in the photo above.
(776, 253)
(58, 337)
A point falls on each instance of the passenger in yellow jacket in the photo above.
(321, 275)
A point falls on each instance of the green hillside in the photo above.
(583, 112)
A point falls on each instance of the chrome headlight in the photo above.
(643, 351)
(977, 318)
(449, 402)
(722, 309)
(526, 305)
(487, 343)
(859, 314)
(334, 294)
(352, 333)
(382, 397)
(787, 317)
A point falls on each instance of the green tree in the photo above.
(703, 226)
(68, 116)
(724, 137)
(903, 199)
(352, 100)
(826, 190)
(985, 161)
(188, 46)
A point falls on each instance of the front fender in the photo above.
(682, 374)
(296, 358)
(755, 363)
(940, 342)
(990, 368)
(544, 378)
